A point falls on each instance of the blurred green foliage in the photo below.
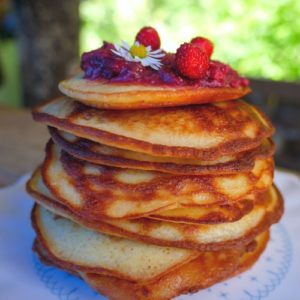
(258, 38)
(10, 84)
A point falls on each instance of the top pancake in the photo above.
(202, 132)
(103, 94)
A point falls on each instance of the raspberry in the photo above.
(148, 36)
(191, 61)
(205, 44)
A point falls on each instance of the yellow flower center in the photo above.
(139, 51)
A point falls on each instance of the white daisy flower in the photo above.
(139, 53)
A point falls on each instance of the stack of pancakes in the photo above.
(153, 203)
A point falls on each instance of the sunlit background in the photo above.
(261, 39)
(40, 44)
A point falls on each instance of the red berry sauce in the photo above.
(102, 63)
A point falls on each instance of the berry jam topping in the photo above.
(102, 63)
(144, 63)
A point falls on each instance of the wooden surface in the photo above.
(22, 143)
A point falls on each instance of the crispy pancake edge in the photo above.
(106, 208)
(244, 161)
(123, 142)
(236, 210)
(111, 229)
(269, 219)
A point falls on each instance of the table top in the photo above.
(22, 144)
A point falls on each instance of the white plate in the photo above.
(276, 276)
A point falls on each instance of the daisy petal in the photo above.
(156, 51)
(125, 45)
(117, 47)
(116, 52)
(152, 60)
(156, 55)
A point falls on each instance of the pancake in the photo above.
(267, 211)
(253, 250)
(95, 252)
(103, 94)
(196, 275)
(205, 270)
(108, 192)
(203, 132)
(210, 214)
(101, 154)
(92, 251)
(204, 237)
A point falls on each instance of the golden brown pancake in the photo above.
(194, 276)
(102, 94)
(220, 265)
(95, 252)
(99, 191)
(204, 237)
(210, 214)
(206, 214)
(101, 154)
(267, 211)
(203, 132)
(205, 270)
